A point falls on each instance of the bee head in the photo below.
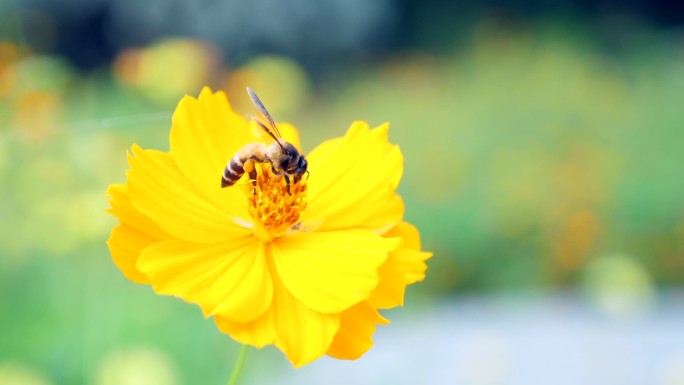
(285, 157)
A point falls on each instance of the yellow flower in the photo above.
(306, 270)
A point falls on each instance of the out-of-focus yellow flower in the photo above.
(36, 112)
(279, 79)
(574, 241)
(167, 69)
(305, 271)
(10, 55)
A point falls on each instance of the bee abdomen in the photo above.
(252, 152)
(233, 171)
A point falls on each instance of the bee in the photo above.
(284, 158)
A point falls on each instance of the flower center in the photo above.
(273, 208)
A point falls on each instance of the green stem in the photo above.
(239, 364)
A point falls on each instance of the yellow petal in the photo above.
(229, 278)
(408, 232)
(206, 133)
(325, 150)
(301, 333)
(409, 256)
(331, 271)
(390, 290)
(159, 190)
(258, 332)
(129, 215)
(352, 181)
(389, 211)
(356, 331)
(125, 244)
(298, 331)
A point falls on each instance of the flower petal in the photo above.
(298, 331)
(125, 244)
(331, 271)
(258, 332)
(205, 134)
(352, 181)
(409, 256)
(159, 190)
(357, 326)
(388, 212)
(301, 333)
(124, 211)
(390, 291)
(229, 278)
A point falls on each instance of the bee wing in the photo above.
(268, 125)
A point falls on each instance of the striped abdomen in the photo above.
(241, 160)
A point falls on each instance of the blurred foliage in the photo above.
(531, 152)
(533, 161)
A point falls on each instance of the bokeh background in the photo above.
(544, 147)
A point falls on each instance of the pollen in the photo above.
(274, 209)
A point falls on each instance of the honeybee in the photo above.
(284, 158)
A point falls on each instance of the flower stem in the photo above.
(239, 364)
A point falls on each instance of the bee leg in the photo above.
(253, 178)
(287, 180)
(284, 174)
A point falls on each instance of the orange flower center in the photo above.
(273, 208)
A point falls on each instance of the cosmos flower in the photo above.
(305, 270)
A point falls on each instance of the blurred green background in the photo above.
(543, 151)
